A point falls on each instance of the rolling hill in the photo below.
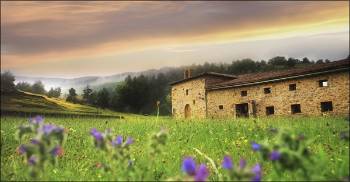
(25, 103)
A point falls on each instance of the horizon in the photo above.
(86, 39)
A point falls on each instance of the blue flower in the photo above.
(36, 120)
(129, 141)
(275, 155)
(201, 173)
(257, 173)
(189, 166)
(242, 163)
(97, 135)
(21, 149)
(48, 128)
(117, 141)
(255, 146)
(32, 160)
(227, 162)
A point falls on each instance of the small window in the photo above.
(186, 91)
(292, 87)
(326, 106)
(194, 102)
(295, 108)
(323, 83)
(221, 107)
(270, 110)
(267, 90)
(244, 93)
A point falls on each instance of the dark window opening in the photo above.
(295, 108)
(270, 110)
(221, 107)
(292, 87)
(194, 102)
(242, 110)
(186, 91)
(326, 106)
(323, 83)
(267, 90)
(244, 93)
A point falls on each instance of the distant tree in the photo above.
(87, 93)
(306, 60)
(24, 86)
(327, 61)
(243, 66)
(38, 88)
(72, 96)
(7, 82)
(320, 61)
(291, 62)
(103, 98)
(278, 61)
(54, 92)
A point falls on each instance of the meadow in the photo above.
(214, 138)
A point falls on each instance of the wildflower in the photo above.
(57, 151)
(257, 173)
(34, 141)
(36, 120)
(118, 141)
(32, 160)
(255, 146)
(275, 155)
(129, 141)
(201, 173)
(21, 149)
(227, 162)
(242, 163)
(48, 128)
(97, 135)
(98, 165)
(189, 166)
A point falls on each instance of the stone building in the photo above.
(313, 90)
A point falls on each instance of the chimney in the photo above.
(187, 73)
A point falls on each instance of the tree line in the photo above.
(140, 94)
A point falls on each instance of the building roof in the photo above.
(206, 74)
(263, 77)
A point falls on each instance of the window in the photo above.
(295, 108)
(270, 110)
(267, 90)
(292, 87)
(326, 106)
(244, 93)
(186, 91)
(221, 107)
(194, 102)
(323, 83)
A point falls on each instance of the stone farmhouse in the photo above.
(313, 90)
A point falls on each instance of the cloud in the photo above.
(35, 32)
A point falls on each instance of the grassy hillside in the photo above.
(24, 102)
(215, 138)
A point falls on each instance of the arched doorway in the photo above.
(187, 111)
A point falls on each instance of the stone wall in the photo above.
(195, 98)
(308, 94)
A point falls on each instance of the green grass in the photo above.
(215, 138)
(25, 102)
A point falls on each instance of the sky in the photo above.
(74, 39)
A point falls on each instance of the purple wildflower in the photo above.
(257, 173)
(97, 135)
(227, 162)
(36, 120)
(34, 141)
(32, 160)
(48, 128)
(117, 141)
(129, 141)
(57, 151)
(275, 155)
(21, 149)
(189, 166)
(255, 146)
(201, 173)
(242, 163)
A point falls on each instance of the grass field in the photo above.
(215, 138)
